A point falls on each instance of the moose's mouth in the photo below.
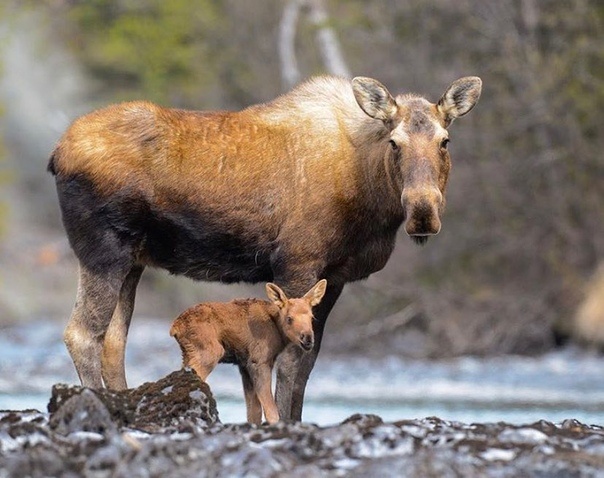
(419, 240)
(307, 345)
(421, 211)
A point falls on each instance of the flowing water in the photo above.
(560, 385)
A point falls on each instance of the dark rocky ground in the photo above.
(171, 428)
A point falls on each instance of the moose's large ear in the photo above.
(276, 295)
(314, 295)
(373, 98)
(459, 98)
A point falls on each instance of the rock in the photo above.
(83, 413)
(178, 402)
(171, 428)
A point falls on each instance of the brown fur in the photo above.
(313, 184)
(250, 333)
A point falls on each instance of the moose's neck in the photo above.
(380, 186)
(337, 147)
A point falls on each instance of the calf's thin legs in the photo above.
(252, 404)
(261, 378)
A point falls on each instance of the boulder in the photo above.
(176, 402)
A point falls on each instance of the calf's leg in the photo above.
(261, 378)
(252, 404)
(114, 345)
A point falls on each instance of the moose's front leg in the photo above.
(294, 365)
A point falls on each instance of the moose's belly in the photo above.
(207, 249)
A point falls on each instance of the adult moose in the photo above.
(312, 185)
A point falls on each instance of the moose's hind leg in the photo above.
(261, 378)
(103, 231)
(202, 357)
(84, 335)
(114, 345)
(252, 403)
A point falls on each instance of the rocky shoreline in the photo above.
(171, 428)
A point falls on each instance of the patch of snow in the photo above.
(82, 436)
(415, 430)
(181, 436)
(547, 449)
(498, 454)
(376, 448)
(523, 435)
(346, 463)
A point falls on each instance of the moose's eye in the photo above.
(444, 143)
(290, 320)
(393, 145)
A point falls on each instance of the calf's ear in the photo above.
(314, 295)
(276, 295)
(374, 99)
(461, 96)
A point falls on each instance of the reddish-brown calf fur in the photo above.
(250, 333)
(314, 184)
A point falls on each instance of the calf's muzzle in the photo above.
(307, 341)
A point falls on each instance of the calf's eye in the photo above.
(290, 320)
(393, 145)
(444, 143)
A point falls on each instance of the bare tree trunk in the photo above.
(326, 38)
(327, 41)
(290, 74)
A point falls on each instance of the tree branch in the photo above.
(326, 39)
(290, 74)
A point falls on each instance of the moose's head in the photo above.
(417, 145)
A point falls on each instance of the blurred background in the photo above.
(519, 265)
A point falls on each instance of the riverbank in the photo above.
(171, 428)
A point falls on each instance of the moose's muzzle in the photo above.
(422, 209)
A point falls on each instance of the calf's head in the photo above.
(417, 145)
(295, 315)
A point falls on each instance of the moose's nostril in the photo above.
(306, 341)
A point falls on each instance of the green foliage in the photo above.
(157, 48)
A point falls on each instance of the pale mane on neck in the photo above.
(322, 104)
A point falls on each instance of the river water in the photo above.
(556, 386)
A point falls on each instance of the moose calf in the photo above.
(250, 333)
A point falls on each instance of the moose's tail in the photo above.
(52, 162)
